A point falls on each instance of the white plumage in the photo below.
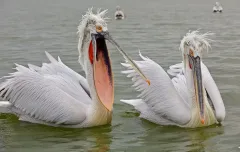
(119, 15)
(54, 94)
(173, 101)
(49, 93)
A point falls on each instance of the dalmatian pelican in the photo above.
(190, 99)
(119, 15)
(217, 8)
(56, 95)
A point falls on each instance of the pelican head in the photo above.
(118, 8)
(94, 56)
(192, 46)
(92, 27)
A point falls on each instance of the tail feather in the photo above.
(138, 104)
(5, 107)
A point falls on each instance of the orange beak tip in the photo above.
(148, 81)
(202, 121)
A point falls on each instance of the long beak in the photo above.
(135, 67)
(102, 72)
(197, 78)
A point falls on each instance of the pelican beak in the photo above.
(102, 71)
(195, 63)
(135, 67)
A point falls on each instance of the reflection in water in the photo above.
(29, 28)
(103, 139)
(140, 135)
(200, 138)
(192, 140)
(16, 134)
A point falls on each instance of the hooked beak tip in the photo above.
(148, 81)
(202, 121)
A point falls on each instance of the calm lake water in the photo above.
(30, 27)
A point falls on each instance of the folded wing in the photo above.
(214, 96)
(46, 93)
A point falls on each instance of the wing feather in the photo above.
(161, 96)
(57, 67)
(46, 94)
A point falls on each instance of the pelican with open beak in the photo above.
(55, 95)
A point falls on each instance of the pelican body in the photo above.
(119, 15)
(217, 8)
(56, 95)
(190, 99)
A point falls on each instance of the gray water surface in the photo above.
(30, 27)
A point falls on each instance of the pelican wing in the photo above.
(45, 96)
(59, 68)
(176, 69)
(214, 96)
(179, 81)
(161, 96)
(213, 93)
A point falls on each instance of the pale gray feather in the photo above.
(214, 97)
(49, 94)
(161, 96)
(59, 68)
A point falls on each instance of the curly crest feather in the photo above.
(87, 25)
(195, 37)
(91, 17)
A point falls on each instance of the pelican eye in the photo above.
(188, 43)
(98, 28)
